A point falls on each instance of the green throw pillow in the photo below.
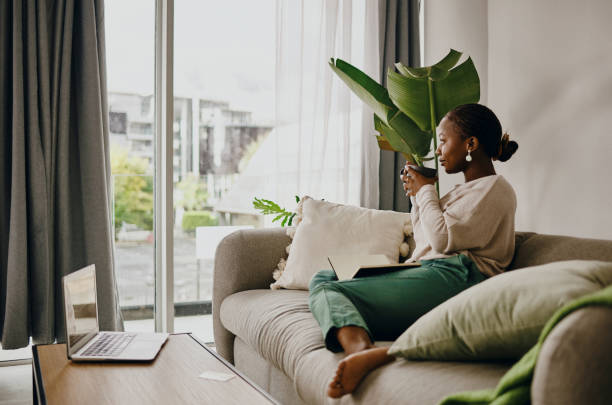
(500, 318)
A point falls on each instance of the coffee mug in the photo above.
(425, 171)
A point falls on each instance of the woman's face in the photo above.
(452, 148)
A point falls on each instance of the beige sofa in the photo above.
(271, 336)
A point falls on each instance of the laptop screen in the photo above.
(80, 307)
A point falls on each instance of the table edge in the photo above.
(234, 369)
(39, 387)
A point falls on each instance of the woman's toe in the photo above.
(335, 392)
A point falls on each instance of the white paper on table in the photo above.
(212, 375)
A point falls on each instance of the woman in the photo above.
(461, 239)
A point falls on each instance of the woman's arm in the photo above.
(468, 223)
(407, 182)
(414, 211)
(434, 224)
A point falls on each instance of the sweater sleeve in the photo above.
(466, 224)
(414, 211)
(434, 225)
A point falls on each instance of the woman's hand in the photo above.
(413, 180)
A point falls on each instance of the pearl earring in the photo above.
(468, 158)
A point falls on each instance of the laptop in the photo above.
(84, 341)
(347, 267)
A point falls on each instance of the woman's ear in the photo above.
(473, 143)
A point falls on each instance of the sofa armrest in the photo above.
(575, 362)
(244, 260)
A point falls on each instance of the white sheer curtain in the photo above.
(323, 139)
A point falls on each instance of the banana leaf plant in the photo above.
(407, 113)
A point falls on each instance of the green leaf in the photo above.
(411, 96)
(438, 74)
(258, 204)
(364, 87)
(445, 64)
(462, 86)
(395, 140)
(383, 143)
(263, 204)
(404, 137)
(449, 61)
(291, 218)
(419, 72)
(419, 141)
(266, 206)
(272, 205)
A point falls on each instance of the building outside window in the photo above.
(222, 112)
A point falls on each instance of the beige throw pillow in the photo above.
(328, 228)
(502, 317)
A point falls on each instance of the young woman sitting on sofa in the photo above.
(461, 239)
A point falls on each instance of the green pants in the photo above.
(386, 305)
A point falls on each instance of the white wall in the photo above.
(549, 79)
(460, 25)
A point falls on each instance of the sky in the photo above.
(223, 50)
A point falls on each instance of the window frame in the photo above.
(163, 189)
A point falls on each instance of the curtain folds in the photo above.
(321, 138)
(55, 169)
(399, 42)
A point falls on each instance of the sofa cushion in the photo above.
(502, 317)
(386, 385)
(263, 373)
(276, 323)
(327, 229)
(400, 382)
(533, 249)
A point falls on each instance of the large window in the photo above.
(130, 45)
(223, 110)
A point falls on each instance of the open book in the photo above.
(354, 266)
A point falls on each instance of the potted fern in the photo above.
(407, 113)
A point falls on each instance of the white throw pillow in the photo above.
(328, 228)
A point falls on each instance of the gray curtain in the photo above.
(399, 42)
(55, 168)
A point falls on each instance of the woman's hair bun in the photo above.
(506, 148)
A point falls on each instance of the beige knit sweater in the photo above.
(474, 218)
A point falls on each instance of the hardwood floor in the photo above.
(16, 385)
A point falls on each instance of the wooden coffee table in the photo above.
(172, 378)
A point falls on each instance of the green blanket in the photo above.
(514, 387)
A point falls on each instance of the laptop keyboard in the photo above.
(109, 345)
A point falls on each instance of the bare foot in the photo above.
(354, 368)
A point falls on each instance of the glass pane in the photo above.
(130, 40)
(224, 101)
